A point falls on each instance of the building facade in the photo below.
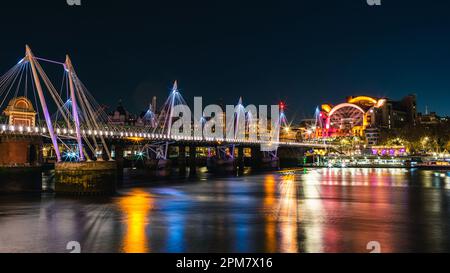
(365, 116)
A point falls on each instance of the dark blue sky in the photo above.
(305, 52)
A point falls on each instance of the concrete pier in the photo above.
(192, 161)
(240, 160)
(14, 179)
(118, 153)
(263, 161)
(182, 160)
(20, 164)
(86, 178)
(256, 157)
(290, 157)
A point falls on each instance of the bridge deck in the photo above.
(140, 135)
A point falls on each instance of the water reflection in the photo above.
(287, 214)
(269, 203)
(309, 210)
(135, 208)
(361, 205)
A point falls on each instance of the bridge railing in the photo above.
(143, 136)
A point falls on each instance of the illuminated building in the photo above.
(389, 150)
(364, 116)
(397, 114)
(430, 118)
(372, 135)
(350, 118)
(21, 112)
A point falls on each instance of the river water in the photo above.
(310, 210)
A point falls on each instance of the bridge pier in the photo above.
(291, 157)
(86, 178)
(263, 160)
(118, 157)
(256, 157)
(240, 160)
(192, 161)
(20, 164)
(182, 160)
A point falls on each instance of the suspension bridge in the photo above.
(82, 137)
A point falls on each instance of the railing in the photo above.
(70, 133)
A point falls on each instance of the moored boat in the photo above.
(215, 164)
(435, 165)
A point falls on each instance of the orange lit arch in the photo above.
(342, 105)
(363, 98)
(335, 109)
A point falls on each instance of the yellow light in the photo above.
(135, 139)
(362, 98)
(326, 107)
(380, 103)
(135, 209)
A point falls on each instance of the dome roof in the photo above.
(20, 104)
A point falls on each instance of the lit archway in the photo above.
(345, 117)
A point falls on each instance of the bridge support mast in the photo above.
(69, 68)
(30, 57)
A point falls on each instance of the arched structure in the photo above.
(365, 100)
(347, 119)
(21, 112)
(344, 105)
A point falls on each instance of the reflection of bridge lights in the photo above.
(136, 208)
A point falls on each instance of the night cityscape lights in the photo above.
(225, 134)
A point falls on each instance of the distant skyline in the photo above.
(303, 52)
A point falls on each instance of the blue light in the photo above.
(71, 156)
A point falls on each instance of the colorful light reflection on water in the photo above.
(313, 210)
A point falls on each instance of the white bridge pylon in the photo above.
(77, 112)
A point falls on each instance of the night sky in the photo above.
(304, 52)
